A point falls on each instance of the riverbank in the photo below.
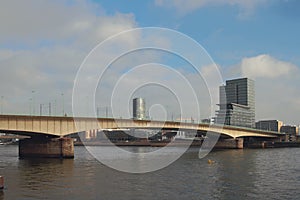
(231, 144)
(264, 145)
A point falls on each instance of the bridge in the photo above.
(56, 128)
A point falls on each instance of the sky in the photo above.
(43, 43)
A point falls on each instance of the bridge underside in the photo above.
(29, 133)
(223, 133)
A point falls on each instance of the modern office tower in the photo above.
(237, 103)
(269, 125)
(139, 109)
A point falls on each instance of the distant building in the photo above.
(139, 109)
(207, 121)
(290, 130)
(180, 135)
(237, 103)
(269, 125)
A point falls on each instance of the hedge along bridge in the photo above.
(48, 132)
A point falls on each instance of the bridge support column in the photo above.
(46, 147)
(237, 143)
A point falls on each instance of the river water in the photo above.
(235, 174)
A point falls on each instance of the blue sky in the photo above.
(43, 43)
(271, 28)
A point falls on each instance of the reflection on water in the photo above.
(44, 173)
(235, 174)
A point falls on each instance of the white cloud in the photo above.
(184, 7)
(44, 43)
(266, 66)
(58, 21)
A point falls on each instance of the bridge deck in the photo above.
(62, 126)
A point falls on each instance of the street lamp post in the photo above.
(45, 106)
(2, 97)
(33, 102)
(30, 106)
(102, 111)
(63, 104)
(41, 109)
(98, 112)
(55, 104)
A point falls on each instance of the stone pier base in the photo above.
(237, 143)
(46, 147)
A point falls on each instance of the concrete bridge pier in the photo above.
(237, 143)
(46, 147)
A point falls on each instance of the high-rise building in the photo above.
(139, 109)
(237, 103)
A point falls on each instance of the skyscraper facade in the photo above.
(237, 103)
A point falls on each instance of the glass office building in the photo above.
(139, 109)
(237, 103)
